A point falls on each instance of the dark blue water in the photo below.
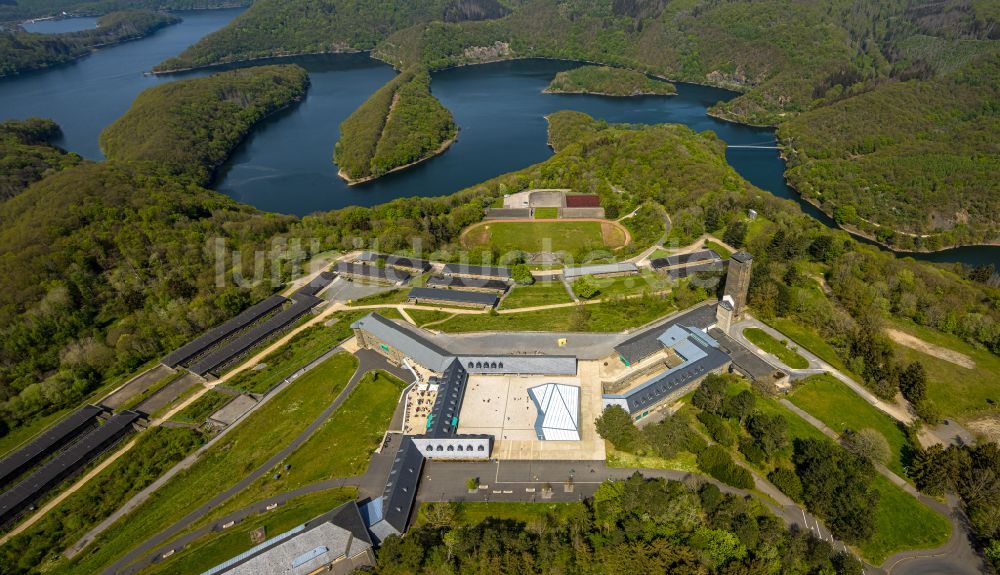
(86, 95)
(57, 26)
(285, 166)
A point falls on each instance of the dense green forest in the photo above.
(400, 124)
(916, 157)
(16, 10)
(633, 526)
(22, 51)
(607, 81)
(815, 68)
(27, 155)
(788, 57)
(190, 127)
(281, 27)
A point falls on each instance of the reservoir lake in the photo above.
(285, 165)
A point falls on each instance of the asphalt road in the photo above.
(144, 553)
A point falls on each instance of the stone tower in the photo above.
(738, 282)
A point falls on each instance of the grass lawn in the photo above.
(810, 340)
(538, 293)
(902, 523)
(150, 391)
(306, 346)
(630, 285)
(259, 436)
(766, 342)
(957, 391)
(475, 512)
(566, 235)
(827, 399)
(341, 447)
(719, 249)
(219, 546)
(201, 408)
(602, 317)
(684, 461)
(426, 316)
(546, 213)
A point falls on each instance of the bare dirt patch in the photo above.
(615, 235)
(949, 355)
(988, 426)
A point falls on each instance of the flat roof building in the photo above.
(335, 542)
(400, 262)
(558, 411)
(454, 297)
(475, 284)
(606, 270)
(71, 460)
(478, 271)
(48, 442)
(191, 350)
(372, 273)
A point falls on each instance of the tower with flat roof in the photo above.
(738, 282)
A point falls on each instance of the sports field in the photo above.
(546, 236)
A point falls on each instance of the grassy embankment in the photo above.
(538, 293)
(956, 390)
(607, 81)
(219, 546)
(258, 437)
(401, 124)
(607, 316)
(780, 349)
(829, 400)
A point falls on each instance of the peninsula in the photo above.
(608, 81)
(400, 125)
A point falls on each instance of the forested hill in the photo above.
(915, 164)
(281, 27)
(22, 51)
(608, 81)
(190, 127)
(400, 124)
(12, 10)
(787, 56)
(26, 154)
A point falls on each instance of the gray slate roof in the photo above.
(216, 334)
(523, 364)
(408, 341)
(372, 271)
(454, 295)
(646, 343)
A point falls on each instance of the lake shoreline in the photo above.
(608, 95)
(440, 150)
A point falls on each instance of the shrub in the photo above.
(752, 451)
(717, 428)
(584, 288)
(869, 444)
(787, 481)
(616, 425)
(716, 461)
(522, 274)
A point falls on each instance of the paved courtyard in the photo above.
(500, 406)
